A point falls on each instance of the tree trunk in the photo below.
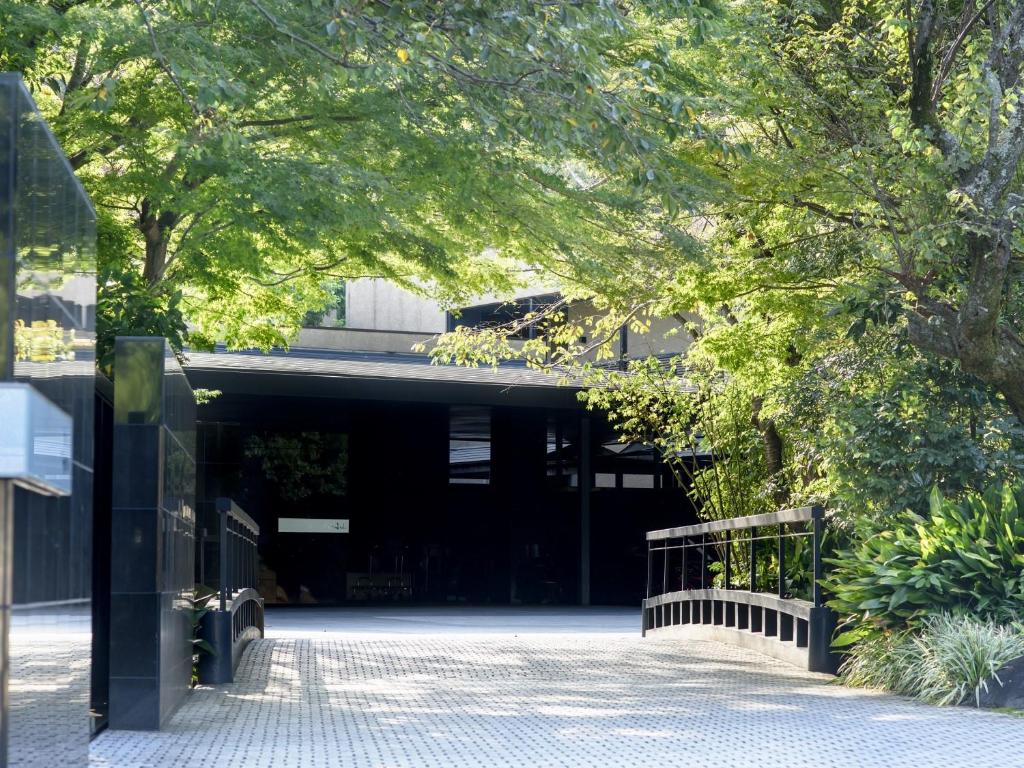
(772, 446)
(973, 334)
(156, 231)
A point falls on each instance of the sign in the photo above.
(35, 441)
(311, 525)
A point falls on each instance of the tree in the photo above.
(861, 229)
(253, 150)
(891, 129)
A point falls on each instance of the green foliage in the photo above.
(950, 659)
(254, 153)
(198, 601)
(966, 555)
(126, 306)
(882, 425)
(302, 465)
(701, 415)
(823, 269)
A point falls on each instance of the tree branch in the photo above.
(162, 60)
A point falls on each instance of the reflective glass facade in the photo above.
(153, 540)
(48, 311)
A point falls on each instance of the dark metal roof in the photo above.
(367, 365)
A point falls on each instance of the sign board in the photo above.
(311, 525)
(35, 441)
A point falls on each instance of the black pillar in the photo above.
(152, 545)
(585, 484)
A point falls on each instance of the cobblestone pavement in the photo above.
(541, 690)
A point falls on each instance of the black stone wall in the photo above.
(153, 534)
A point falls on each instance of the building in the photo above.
(375, 477)
(47, 339)
(454, 484)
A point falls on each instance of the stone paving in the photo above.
(524, 689)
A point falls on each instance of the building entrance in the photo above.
(388, 502)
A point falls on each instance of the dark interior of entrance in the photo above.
(442, 503)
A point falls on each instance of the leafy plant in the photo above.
(966, 555)
(303, 464)
(951, 658)
(42, 341)
(198, 606)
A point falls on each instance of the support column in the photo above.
(585, 484)
(6, 575)
(153, 529)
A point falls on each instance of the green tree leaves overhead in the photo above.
(255, 149)
(850, 268)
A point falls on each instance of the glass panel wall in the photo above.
(47, 319)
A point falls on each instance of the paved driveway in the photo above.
(537, 689)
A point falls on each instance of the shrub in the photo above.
(949, 659)
(966, 556)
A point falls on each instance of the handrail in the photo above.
(239, 618)
(795, 515)
(239, 562)
(229, 506)
(741, 612)
(795, 607)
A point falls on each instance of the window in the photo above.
(494, 315)
(469, 445)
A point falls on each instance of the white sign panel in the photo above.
(311, 525)
(35, 441)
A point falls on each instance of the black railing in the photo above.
(771, 602)
(238, 616)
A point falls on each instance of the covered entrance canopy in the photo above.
(378, 477)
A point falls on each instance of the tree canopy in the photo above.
(823, 195)
(245, 154)
(851, 271)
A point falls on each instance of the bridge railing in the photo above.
(767, 594)
(238, 616)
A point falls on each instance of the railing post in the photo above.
(223, 544)
(664, 567)
(682, 575)
(648, 569)
(782, 561)
(753, 560)
(703, 557)
(818, 524)
(728, 559)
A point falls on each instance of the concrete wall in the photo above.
(361, 340)
(382, 317)
(376, 304)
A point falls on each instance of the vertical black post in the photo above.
(782, 561)
(818, 524)
(623, 347)
(201, 546)
(682, 576)
(559, 447)
(753, 560)
(6, 598)
(703, 557)
(648, 593)
(223, 557)
(728, 559)
(585, 482)
(664, 566)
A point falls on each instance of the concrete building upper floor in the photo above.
(376, 315)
